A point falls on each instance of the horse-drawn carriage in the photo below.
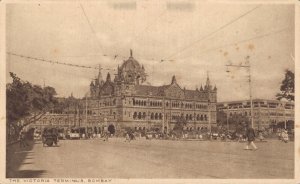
(50, 136)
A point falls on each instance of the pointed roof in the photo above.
(100, 79)
(207, 80)
(108, 77)
(173, 80)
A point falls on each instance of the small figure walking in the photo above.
(250, 134)
(260, 136)
(22, 137)
(127, 137)
(285, 136)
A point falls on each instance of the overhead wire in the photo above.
(56, 62)
(94, 32)
(212, 33)
(242, 41)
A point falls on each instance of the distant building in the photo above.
(266, 113)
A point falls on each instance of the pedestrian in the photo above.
(250, 135)
(285, 136)
(260, 135)
(127, 137)
(22, 138)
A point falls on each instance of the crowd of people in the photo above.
(246, 134)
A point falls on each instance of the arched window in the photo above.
(201, 117)
(133, 101)
(191, 117)
(144, 115)
(144, 103)
(197, 117)
(205, 117)
(160, 116)
(140, 115)
(186, 117)
(167, 104)
(152, 115)
(134, 115)
(156, 115)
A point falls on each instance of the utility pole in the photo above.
(247, 66)
(163, 123)
(227, 117)
(85, 110)
(208, 106)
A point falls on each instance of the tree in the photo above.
(221, 118)
(25, 101)
(287, 88)
(180, 123)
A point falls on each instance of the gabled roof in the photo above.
(191, 94)
(147, 90)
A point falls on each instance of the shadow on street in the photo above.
(15, 157)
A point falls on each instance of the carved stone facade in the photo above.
(127, 102)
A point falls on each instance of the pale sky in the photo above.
(154, 31)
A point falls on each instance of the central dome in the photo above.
(130, 65)
(131, 71)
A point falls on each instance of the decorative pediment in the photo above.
(174, 91)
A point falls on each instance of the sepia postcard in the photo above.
(129, 91)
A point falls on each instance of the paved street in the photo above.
(151, 159)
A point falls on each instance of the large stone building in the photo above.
(126, 102)
(266, 113)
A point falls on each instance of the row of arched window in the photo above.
(142, 115)
(199, 106)
(144, 103)
(190, 117)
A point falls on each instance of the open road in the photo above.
(151, 159)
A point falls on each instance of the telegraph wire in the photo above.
(56, 62)
(93, 31)
(212, 33)
(243, 41)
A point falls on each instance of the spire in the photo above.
(201, 88)
(100, 74)
(173, 80)
(92, 83)
(215, 88)
(130, 52)
(108, 77)
(207, 80)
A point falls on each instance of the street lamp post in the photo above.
(227, 118)
(248, 66)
